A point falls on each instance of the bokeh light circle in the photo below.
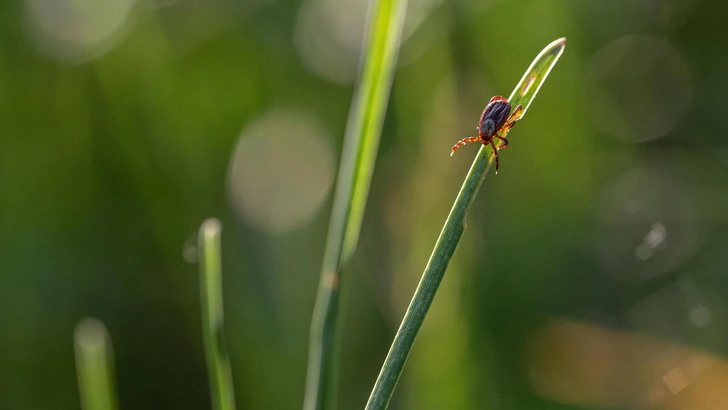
(638, 88)
(607, 19)
(646, 225)
(329, 34)
(281, 171)
(76, 30)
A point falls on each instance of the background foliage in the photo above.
(590, 277)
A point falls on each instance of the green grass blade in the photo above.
(450, 236)
(357, 164)
(218, 363)
(534, 77)
(94, 366)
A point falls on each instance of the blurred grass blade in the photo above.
(218, 363)
(355, 171)
(94, 366)
(450, 236)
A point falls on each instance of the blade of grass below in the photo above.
(218, 363)
(450, 236)
(94, 366)
(355, 171)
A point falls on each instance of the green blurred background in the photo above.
(591, 275)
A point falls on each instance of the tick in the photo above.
(495, 122)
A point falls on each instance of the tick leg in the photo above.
(504, 129)
(495, 151)
(463, 142)
(517, 114)
(505, 141)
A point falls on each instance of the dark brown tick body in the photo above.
(495, 122)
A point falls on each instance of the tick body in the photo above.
(495, 122)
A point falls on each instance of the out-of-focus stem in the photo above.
(94, 366)
(218, 363)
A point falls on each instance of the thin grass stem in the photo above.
(352, 188)
(450, 236)
(218, 363)
(94, 365)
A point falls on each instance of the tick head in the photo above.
(487, 127)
